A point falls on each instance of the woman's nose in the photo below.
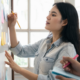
(48, 17)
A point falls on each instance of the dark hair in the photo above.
(70, 32)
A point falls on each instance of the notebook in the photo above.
(58, 71)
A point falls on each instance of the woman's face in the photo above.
(54, 20)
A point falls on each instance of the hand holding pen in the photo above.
(71, 65)
(69, 62)
(17, 22)
(12, 19)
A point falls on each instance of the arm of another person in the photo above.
(74, 68)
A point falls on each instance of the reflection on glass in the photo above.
(21, 8)
(39, 10)
(22, 37)
(38, 36)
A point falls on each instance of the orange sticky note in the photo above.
(2, 16)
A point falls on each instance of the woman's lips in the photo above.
(47, 23)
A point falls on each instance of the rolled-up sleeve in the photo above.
(68, 51)
(26, 50)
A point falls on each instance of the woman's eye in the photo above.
(53, 15)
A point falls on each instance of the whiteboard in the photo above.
(5, 72)
(5, 9)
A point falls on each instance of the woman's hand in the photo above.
(63, 78)
(11, 63)
(12, 18)
(29, 75)
(73, 68)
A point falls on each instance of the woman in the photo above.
(62, 22)
(74, 68)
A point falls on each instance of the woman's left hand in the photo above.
(63, 78)
(11, 63)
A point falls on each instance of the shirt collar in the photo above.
(56, 43)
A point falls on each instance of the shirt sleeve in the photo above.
(68, 51)
(26, 50)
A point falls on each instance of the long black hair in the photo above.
(70, 32)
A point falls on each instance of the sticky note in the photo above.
(2, 1)
(2, 17)
(6, 38)
(6, 17)
(2, 39)
(3, 13)
(6, 75)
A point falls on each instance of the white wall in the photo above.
(70, 1)
(58, 0)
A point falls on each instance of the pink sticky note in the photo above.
(2, 17)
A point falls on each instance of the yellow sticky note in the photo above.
(2, 1)
(2, 39)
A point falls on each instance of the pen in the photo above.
(17, 22)
(69, 62)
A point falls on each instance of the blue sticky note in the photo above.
(6, 75)
(58, 71)
(4, 13)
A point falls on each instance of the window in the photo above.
(32, 18)
(77, 5)
(38, 12)
(23, 62)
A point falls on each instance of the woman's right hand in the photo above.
(73, 68)
(12, 18)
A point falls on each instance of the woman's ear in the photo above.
(65, 22)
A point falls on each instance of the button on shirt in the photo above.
(46, 57)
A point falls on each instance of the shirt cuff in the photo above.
(16, 49)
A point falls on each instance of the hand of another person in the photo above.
(63, 78)
(73, 68)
